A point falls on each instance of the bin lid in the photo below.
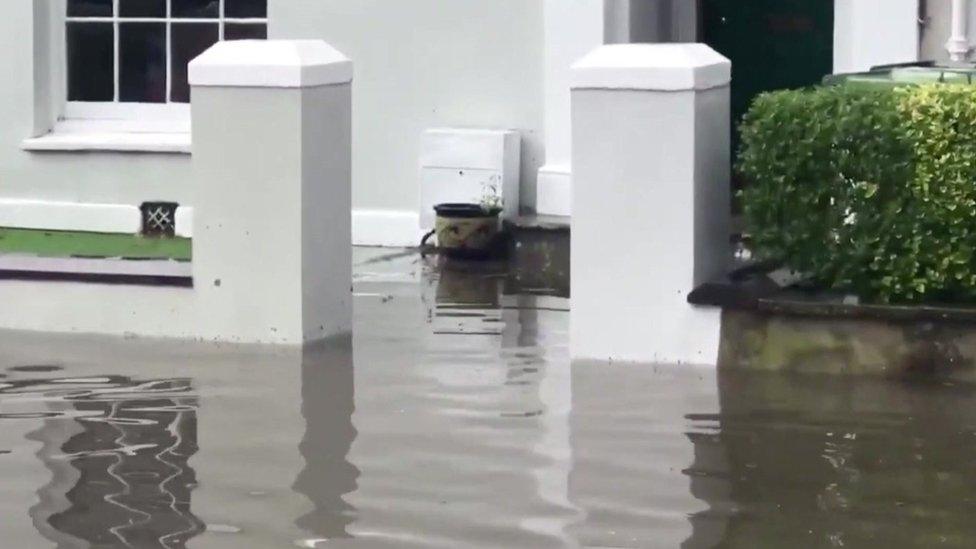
(905, 74)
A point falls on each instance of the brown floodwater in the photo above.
(454, 419)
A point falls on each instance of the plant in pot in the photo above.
(469, 230)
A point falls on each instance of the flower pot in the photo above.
(467, 230)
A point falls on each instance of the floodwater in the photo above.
(454, 419)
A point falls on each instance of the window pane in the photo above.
(91, 62)
(90, 8)
(142, 8)
(237, 31)
(189, 41)
(142, 62)
(196, 8)
(246, 8)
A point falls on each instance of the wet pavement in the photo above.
(454, 419)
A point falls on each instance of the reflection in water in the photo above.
(117, 450)
(835, 462)
(327, 405)
(464, 425)
(465, 302)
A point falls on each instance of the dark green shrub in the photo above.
(870, 191)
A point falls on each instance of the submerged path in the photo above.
(453, 418)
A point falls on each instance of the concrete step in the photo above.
(152, 272)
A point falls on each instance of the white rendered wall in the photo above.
(103, 178)
(874, 32)
(422, 64)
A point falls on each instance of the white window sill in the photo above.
(99, 135)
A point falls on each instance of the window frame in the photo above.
(132, 116)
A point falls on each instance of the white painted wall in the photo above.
(101, 178)
(419, 63)
(874, 32)
(422, 64)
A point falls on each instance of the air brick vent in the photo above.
(159, 218)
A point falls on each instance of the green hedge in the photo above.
(870, 191)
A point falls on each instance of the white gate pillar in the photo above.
(272, 160)
(651, 159)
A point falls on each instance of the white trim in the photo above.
(386, 228)
(122, 136)
(169, 48)
(141, 115)
(116, 48)
(201, 20)
(70, 216)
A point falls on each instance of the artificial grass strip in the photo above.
(81, 244)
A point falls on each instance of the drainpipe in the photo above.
(958, 44)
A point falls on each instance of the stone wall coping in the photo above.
(751, 289)
(652, 67)
(271, 64)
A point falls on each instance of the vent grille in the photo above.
(159, 218)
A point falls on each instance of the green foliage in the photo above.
(867, 190)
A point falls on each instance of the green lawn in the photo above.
(80, 244)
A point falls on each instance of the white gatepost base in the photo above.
(651, 139)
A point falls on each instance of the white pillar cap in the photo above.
(271, 64)
(655, 67)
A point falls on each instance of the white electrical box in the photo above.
(465, 165)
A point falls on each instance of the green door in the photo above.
(773, 44)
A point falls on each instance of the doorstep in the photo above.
(539, 223)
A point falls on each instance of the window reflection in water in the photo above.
(118, 451)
